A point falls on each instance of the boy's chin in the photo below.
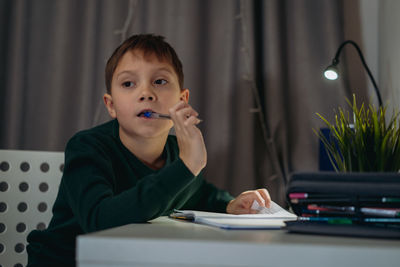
(151, 133)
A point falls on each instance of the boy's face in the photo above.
(143, 84)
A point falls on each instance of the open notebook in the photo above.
(267, 218)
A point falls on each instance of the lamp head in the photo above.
(331, 72)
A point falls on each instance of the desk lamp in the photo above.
(331, 72)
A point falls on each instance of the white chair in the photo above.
(29, 182)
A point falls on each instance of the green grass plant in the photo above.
(363, 142)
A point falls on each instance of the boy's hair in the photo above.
(148, 44)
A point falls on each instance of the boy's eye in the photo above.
(160, 81)
(127, 84)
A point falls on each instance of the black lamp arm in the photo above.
(336, 61)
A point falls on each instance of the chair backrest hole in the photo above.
(24, 166)
(41, 226)
(1, 248)
(42, 207)
(62, 167)
(19, 248)
(23, 186)
(21, 227)
(3, 206)
(3, 228)
(4, 166)
(3, 186)
(44, 167)
(18, 265)
(43, 187)
(22, 207)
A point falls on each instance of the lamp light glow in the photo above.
(331, 74)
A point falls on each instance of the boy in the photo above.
(130, 170)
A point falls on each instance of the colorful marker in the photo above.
(332, 220)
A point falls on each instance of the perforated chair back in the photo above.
(29, 182)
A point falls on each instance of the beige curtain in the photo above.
(254, 70)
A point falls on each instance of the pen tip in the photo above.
(147, 114)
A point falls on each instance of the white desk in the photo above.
(166, 242)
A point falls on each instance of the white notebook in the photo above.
(267, 218)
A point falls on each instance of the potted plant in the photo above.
(364, 141)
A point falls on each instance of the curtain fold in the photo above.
(253, 68)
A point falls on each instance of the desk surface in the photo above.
(166, 242)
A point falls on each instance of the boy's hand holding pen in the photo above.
(192, 149)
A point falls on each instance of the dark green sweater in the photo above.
(104, 185)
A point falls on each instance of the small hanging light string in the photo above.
(128, 21)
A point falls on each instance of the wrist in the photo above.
(194, 170)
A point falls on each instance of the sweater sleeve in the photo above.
(90, 181)
(212, 198)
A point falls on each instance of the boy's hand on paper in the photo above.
(243, 203)
(192, 149)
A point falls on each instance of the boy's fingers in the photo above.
(173, 110)
(184, 115)
(175, 115)
(260, 200)
(264, 193)
(182, 110)
(186, 112)
(191, 121)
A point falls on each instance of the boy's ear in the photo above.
(185, 95)
(107, 98)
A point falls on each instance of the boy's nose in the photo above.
(143, 98)
(147, 95)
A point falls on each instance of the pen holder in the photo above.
(363, 197)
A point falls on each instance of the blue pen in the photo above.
(155, 115)
(150, 114)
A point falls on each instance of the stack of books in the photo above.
(360, 204)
